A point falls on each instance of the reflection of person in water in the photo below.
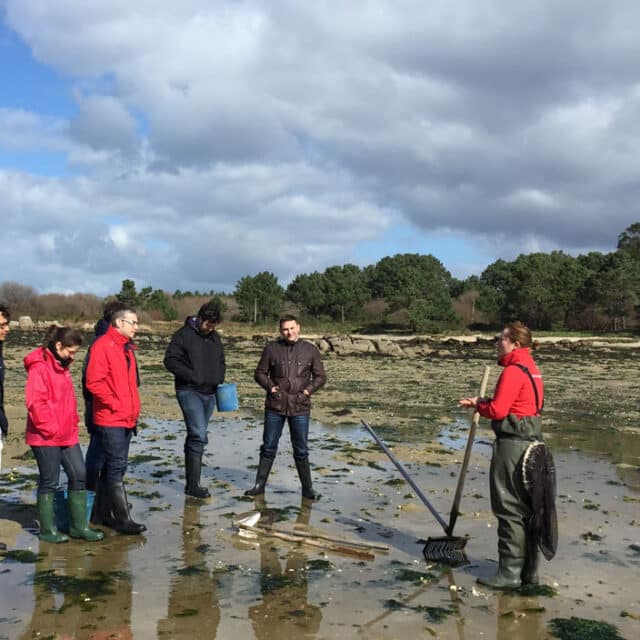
(192, 610)
(517, 617)
(81, 595)
(284, 603)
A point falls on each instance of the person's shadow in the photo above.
(284, 611)
(192, 610)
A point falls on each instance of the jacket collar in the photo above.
(118, 338)
(517, 356)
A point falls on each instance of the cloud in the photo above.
(213, 140)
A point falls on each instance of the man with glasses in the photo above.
(5, 316)
(112, 381)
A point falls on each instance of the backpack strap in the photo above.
(539, 406)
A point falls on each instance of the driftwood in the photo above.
(305, 539)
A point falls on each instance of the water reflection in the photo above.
(518, 617)
(284, 611)
(192, 610)
(77, 596)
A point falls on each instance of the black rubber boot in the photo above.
(508, 575)
(193, 469)
(121, 518)
(79, 528)
(304, 472)
(46, 512)
(530, 568)
(264, 469)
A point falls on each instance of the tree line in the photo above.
(549, 291)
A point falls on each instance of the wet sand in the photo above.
(192, 575)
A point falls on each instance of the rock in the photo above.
(388, 348)
(25, 323)
(323, 345)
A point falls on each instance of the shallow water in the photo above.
(191, 575)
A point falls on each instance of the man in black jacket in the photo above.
(195, 357)
(289, 370)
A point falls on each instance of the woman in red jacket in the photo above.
(52, 432)
(515, 414)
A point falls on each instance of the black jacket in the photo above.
(293, 368)
(195, 359)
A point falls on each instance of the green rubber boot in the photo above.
(79, 527)
(48, 530)
(508, 576)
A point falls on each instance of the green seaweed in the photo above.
(417, 577)
(583, 629)
(434, 614)
(395, 482)
(319, 565)
(543, 590)
(143, 457)
(22, 555)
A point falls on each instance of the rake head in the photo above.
(446, 550)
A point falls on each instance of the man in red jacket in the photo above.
(112, 380)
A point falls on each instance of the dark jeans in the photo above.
(96, 456)
(49, 460)
(114, 441)
(298, 429)
(196, 409)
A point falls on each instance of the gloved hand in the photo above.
(4, 424)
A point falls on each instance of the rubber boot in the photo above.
(530, 568)
(304, 472)
(48, 530)
(193, 469)
(264, 469)
(77, 502)
(508, 575)
(92, 483)
(122, 522)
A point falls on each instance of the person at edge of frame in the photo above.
(195, 357)
(52, 432)
(5, 327)
(290, 371)
(95, 458)
(112, 380)
(515, 414)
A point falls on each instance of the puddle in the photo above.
(192, 575)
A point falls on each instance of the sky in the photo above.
(187, 144)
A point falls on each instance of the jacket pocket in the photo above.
(302, 403)
(276, 402)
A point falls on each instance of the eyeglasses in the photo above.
(4, 325)
(133, 323)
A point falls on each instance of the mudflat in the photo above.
(193, 575)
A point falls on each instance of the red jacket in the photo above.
(112, 380)
(514, 391)
(52, 411)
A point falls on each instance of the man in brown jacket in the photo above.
(290, 371)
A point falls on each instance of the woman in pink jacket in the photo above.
(52, 432)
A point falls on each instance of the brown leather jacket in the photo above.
(293, 368)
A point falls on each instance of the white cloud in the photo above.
(247, 136)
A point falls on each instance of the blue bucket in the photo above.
(227, 397)
(62, 509)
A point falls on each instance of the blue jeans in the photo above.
(114, 442)
(49, 460)
(196, 409)
(96, 456)
(298, 429)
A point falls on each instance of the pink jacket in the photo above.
(52, 411)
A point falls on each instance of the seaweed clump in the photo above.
(583, 629)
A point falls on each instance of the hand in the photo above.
(275, 389)
(469, 403)
(306, 393)
(4, 424)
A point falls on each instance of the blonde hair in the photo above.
(519, 332)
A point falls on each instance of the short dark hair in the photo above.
(111, 307)
(209, 312)
(289, 317)
(4, 310)
(68, 336)
(120, 313)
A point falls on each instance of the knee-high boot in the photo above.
(193, 469)
(264, 469)
(46, 512)
(119, 507)
(304, 473)
(79, 528)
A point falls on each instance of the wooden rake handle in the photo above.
(467, 456)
